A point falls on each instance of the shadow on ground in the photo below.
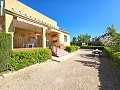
(109, 75)
(89, 63)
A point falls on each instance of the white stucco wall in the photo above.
(62, 39)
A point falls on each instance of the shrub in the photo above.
(5, 50)
(92, 47)
(116, 59)
(115, 56)
(109, 51)
(71, 48)
(24, 59)
(45, 53)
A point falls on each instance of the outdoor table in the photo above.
(96, 52)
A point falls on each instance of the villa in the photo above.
(27, 25)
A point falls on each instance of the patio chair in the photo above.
(33, 42)
(30, 43)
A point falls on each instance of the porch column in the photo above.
(9, 27)
(44, 37)
(12, 40)
(58, 39)
(9, 23)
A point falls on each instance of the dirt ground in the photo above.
(81, 72)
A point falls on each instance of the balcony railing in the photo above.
(19, 41)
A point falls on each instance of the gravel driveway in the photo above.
(81, 72)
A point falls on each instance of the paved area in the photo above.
(80, 72)
(64, 58)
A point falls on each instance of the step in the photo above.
(60, 55)
(63, 58)
(62, 52)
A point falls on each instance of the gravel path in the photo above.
(81, 72)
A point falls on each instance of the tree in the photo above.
(111, 30)
(80, 38)
(96, 41)
(111, 38)
(74, 41)
(87, 38)
(115, 42)
(84, 38)
(106, 39)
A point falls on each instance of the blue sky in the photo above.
(80, 16)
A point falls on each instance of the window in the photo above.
(65, 38)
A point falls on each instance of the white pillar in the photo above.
(2, 8)
(44, 37)
(58, 39)
(12, 40)
(9, 27)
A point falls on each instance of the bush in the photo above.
(24, 59)
(92, 47)
(115, 56)
(5, 50)
(109, 51)
(71, 48)
(116, 59)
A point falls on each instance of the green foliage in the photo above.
(45, 53)
(71, 48)
(24, 59)
(109, 51)
(115, 44)
(115, 56)
(112, 39)
(84, 38)
(111, 30)
(116, 59)
(4, 72)
(92, 47)
(5, 50)
(107, 38)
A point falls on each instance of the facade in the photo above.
(27, 25)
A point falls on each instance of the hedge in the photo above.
(109, 52)
(115, 56)
(92, 47)
(5, 49)
(24, 59)
(116, 59)
(71, 48)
